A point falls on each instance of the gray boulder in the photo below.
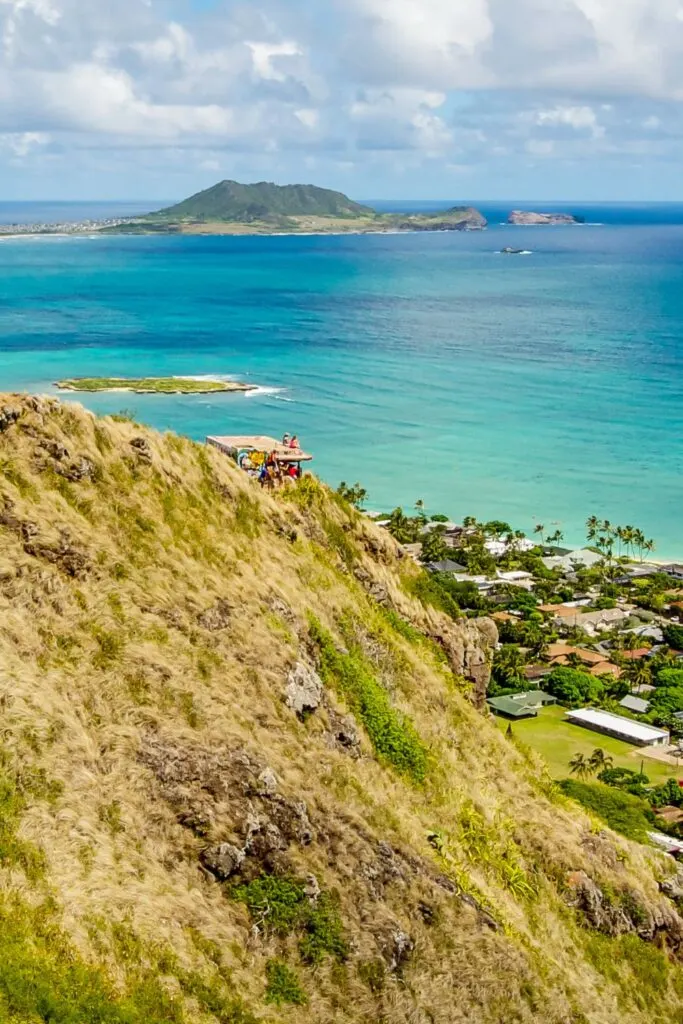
(304, 690)
(222, 860)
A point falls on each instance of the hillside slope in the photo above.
(233, 201)
(242, 777)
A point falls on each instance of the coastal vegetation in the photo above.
(153, 385)
(247, 773)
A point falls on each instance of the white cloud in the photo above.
(266, 58)
(578, 118)
(308, 117)
(21, 143)
(540, 147)
(114, 107)
(349, 81)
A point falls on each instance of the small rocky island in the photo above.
(153, 385)
(529, 218)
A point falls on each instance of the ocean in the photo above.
(546, 387)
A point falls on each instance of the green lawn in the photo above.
(558, 741)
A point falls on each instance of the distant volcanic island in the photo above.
(531, 219)
(263, 208)
(231, 208)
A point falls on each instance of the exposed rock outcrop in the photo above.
(623, 911)
(9, 415)
(216, 618)
(469, 646)
(304, 690)
(142, 449)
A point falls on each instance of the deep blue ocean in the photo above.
(544, 387)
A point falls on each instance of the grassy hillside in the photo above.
(242, 776)
(233, 201)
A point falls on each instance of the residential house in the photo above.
(575, 615)
(583, 558)
(635, 704)
(520, 705)
(447, 565)
(597, 664)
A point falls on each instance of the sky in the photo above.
(382, 99)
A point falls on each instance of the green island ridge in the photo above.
(264, 208)
(152, 385)
(248, 773)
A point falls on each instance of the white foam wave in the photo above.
(262, 390)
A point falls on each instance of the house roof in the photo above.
(558, 609)
(447, 565)
(504, 617)
(610, 723)
(605, 668)
(536, 671)
(584, 556)
(672, 815)
(562, 651)
(636, 704)
(520, 705)
(641, 652)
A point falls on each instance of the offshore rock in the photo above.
(536, 219)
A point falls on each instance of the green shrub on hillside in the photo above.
(283, 985)
(623, 812)
(433, 590)
(282, 906)
(391, 733)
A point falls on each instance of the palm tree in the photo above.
(599, 760)
(639, 541)
(592, 524)
(639, 672)
(581, 766)
(539, 528)
(508, 665)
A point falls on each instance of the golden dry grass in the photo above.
(104, 581)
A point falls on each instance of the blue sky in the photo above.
(500, 99)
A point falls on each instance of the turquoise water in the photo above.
(542, 387)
